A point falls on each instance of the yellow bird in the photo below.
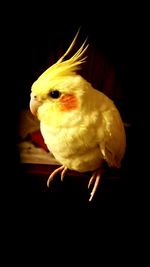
(80, 125)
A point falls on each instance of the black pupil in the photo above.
(55, 94)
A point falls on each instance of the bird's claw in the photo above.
(61, 169)
(63, 173)
(96, 176)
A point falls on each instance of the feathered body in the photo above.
(80, 125)
(82, 138)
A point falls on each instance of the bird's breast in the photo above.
(74, 147)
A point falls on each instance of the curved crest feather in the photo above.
(67, 67)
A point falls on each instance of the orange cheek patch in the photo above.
(68, 102)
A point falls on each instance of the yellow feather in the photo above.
(62, 67)
(83, 138)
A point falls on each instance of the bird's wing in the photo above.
(112, 145)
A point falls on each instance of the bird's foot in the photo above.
(61, 170)
(95, 177)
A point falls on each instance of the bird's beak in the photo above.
(34, 104)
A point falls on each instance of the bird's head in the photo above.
(59, 90)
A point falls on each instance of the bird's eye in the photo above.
(54, 94)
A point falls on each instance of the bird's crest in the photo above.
(66, 67)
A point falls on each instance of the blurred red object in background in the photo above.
(37, 139)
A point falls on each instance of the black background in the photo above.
(119, 32)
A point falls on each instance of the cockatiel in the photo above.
(80, 125)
